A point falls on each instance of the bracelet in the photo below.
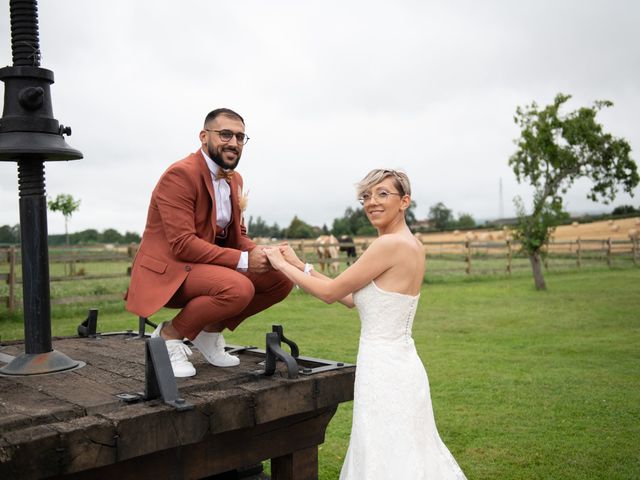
(307, 268)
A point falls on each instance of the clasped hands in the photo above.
(265, 258)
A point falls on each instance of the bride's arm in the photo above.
(290, 256)
(378, 258)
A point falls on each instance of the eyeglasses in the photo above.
(380, 196)
(227, 135)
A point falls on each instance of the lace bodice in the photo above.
(385, 316)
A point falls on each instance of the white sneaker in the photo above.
(156, 332)
(178, 352)
(211, 345)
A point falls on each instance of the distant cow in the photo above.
(328, 252)
(349, 248)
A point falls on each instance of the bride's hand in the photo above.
(275, 257)
(290, 255)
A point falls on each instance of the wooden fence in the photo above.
(103, 263)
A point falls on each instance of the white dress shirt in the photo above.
(222, 191)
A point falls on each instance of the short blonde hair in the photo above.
(374, 177)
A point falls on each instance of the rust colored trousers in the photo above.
(222, 297)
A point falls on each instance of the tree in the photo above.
(440, 217)
(623, 210)
(10, 234)
(465, 220)
(553, 152)
(131, 237)
(67, 205)
(299, 229)
(259, 228)
(410, 214)
(353, 222)
(90, 235)
(111, 235)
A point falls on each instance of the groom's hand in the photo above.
(258, 261)
(290, 255)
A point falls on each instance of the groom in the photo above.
(195, 254)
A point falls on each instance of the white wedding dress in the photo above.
(393, 435)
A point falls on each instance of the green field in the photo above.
(525, 384)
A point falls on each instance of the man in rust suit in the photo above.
(195, 254)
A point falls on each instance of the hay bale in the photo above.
(574, 224)
(456, 232)
(615, 227)
(633, 233)
(610, 222)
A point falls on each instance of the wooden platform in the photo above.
(72, 424)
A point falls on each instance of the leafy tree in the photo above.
(341, 227)
(259, 228)
(353, 222)
(623, 210)
(440, 217)
(131, 237)
(65, 204)
(554, 151)
(465, 220)
(410, 214)
(299, 229)
(111, 235)
(90, 235)
(10, 234)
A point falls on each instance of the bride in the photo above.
(393, 434)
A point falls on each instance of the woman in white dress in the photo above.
(393, 434)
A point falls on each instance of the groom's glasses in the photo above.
(227, 135)
(380, 196)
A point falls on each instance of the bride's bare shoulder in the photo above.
(396, 240)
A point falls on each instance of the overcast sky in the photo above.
(328, 89)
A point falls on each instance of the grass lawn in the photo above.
(525, 384)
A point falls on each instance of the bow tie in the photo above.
(226, 174)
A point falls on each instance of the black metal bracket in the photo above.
(273, 352)
(295, 351)
(296, 364)
(233, 349)
(142, 323)
(89, 326)
(159, 379)
(321, 365)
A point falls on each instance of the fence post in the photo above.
(302, 254)
(578, 253)
(634, 249)
(545, 258)
(132, 250)
(509, 255)
(467, 245)
(11, 280)
(609, 251)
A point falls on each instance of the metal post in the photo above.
(12, 279)
(30, 135)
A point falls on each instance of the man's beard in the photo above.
(213, 155)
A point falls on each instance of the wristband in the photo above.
(307, 268)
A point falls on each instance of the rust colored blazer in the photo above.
(180, 231)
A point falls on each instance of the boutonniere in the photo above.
(243, 199)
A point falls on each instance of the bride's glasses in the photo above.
(380, 196)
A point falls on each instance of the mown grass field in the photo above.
(525, 384)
